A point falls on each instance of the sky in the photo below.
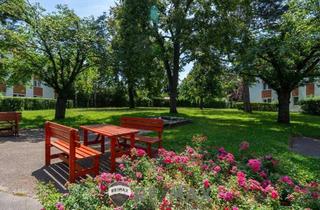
(85, 8)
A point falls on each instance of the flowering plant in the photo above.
(195, 179)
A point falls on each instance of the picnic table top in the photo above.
(109, 130)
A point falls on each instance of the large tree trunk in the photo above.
(173, 100)
(246, 97)
(131, 96)
(61, 105)
(201, 103)
(175, 76)
(284, 106)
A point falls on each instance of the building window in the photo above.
(36, 83)
(18, 95)
(295, 100)
(267, 100)
(265, 86)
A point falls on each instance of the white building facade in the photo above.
(260, 92)
(35, 89)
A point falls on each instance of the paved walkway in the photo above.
(14, 202)
(306, 146)
(22, 167)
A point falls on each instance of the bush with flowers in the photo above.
(193, 179)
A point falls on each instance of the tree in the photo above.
(285, 51)
(202, 83)
(56, 47)
(131, 43)
(172, 35)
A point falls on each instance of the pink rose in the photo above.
(234, 169)
(230, 158)
(168, 160)
(118, 177)
(206, 183)
(217, 169)
(274, 194)
(315, 195)
(254, 184)
(254, 164)
(107, 177)
(102, 187)
(159, 178)
(122, 167)
(241, 177)
(138, 175)
(286, 179)
(263, 174)
(244, 146)
(204, 167)
(59, 206)
(141, 153)
(190, 150)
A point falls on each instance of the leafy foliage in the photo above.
(56, 47)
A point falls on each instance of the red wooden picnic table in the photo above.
(112, 132)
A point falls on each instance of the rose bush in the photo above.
(193, 179)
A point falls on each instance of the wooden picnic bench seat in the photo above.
(67, 140)
(9, 121)
(145, 124)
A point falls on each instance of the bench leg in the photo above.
(113, 154)
(85, 137)
(72, 170)
(102, 144)
(96, 165)
(48, 154)
(149, 150)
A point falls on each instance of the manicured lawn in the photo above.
(224, 127)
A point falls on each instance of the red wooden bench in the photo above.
(9, 121)
(145, 124)
(67, 140)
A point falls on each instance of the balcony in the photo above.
(266, 94)
(37, 91)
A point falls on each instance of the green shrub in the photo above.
(22, 103)
(208, 103)
(259, 106)
(48, 195)
(311, 105)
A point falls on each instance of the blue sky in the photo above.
(86, 8)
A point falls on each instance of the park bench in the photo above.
(9, 121)
(145, 124)
(67, 140)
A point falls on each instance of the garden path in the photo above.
(22, 167)
(306, 146)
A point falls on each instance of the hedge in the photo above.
(311, 105)
(22, 103)
(259, 106)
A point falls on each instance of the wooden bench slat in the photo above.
(145, 139)
(81, 152)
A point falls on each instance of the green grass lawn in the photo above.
(224, 127)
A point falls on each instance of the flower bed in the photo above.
(194, 179)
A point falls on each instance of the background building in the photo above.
(261, 92)
(35, 89)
